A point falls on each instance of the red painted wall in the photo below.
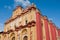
(58, 32)
(55, 34)
(53, 31)
(38, 26)
(46, 29)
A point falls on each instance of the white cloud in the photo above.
(18, 0)
(23, 3)
(1, 27)
(26, 3)
(50, 18)
(7, 7)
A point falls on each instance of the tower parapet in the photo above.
(17, 11)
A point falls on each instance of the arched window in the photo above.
(13, 38)
(26, 21)
(25, 38)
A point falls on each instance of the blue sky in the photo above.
(50, 8)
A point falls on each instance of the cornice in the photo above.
(30, 24)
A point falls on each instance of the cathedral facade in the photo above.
(29, 24)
